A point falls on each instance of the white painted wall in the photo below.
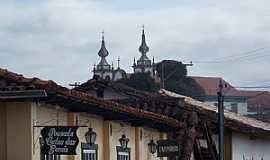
(117, 76)
(256, 148)
(243, 145)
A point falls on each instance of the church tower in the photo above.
(103, 69)
(144, 64)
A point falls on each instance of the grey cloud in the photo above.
(59, 39)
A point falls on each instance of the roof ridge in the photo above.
(206, 77)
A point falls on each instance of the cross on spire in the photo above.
(118, 62)
(102, 33)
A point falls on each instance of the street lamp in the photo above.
(123, 141)
(90, 136)
(152, 147)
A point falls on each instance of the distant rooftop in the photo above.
(210, 86)
(257, 98)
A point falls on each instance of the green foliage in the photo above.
(173, 70)
(186, 86)
(176, 80)
(141, 81)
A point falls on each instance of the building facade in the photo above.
(243, 139)
(123, 128)
(30, 105)
(233, 99)
(29, 118)
(258, 104)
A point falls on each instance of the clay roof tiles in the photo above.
(233, 121)
(51, 86)
(210, 86)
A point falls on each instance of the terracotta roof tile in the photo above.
(51, 86)
(233, 121)
(210, 86)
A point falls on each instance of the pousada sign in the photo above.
(59, 140)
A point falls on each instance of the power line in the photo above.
(243, 58)
(254, 54)
(252, 87)
(241, 54)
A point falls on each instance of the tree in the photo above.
(140, 81)
(176, 79)
(172, 70)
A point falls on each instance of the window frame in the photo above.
(87, 146)
(120, 149)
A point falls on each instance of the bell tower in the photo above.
(103, 69)
(144, 64)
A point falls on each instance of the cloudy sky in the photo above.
(59, 39)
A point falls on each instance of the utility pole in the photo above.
(220, 121)
(163, 80)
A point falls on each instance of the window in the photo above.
(44, 156)
(234, 107)
(89, 152)
(123, 153)
(50, 157)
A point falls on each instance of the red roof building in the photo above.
(258, 104)
(233, 99)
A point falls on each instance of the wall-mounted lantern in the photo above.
(124, 141)
(152, 147)
(90, 136)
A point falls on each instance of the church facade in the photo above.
(107, 72)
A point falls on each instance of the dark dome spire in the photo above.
(103, 52)
(143, 48)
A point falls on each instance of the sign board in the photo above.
(167, 148)
(59, 140)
